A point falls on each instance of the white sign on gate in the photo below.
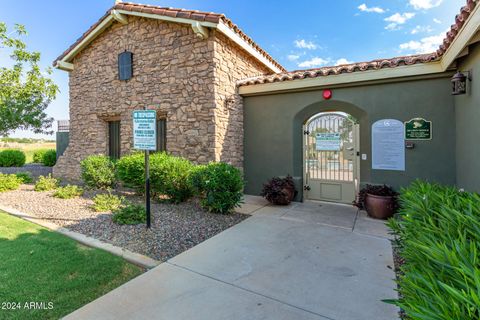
(328, 142)
(145, 130)
(388, 145)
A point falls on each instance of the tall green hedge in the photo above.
(438, 232)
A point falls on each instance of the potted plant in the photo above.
(279, 191)
(380, 201)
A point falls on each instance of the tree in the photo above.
(25, 91)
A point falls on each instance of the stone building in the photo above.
(185, 66)
(222, 98)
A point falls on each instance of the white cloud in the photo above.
(419, 29)
(303, 44)
(425, 4)
(437, 21)
(398, 19)
(364, 8)
(342, 61)
(313, 63)
(425, 45)
(293, 57)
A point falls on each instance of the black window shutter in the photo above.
(162, 135)
(114, 139)
(125, 65)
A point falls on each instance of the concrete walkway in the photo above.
(305, 261)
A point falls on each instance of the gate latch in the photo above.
(306, 188)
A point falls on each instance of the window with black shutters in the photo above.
(114, 139)
(162, 135)
(125, 65)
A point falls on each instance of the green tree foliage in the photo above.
(25, 90)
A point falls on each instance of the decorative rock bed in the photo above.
(175, 228)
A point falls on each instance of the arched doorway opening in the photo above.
(331, 157)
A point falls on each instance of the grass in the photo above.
(29, 148)
(37, 265)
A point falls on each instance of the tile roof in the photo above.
(176, 13)
(460, 20)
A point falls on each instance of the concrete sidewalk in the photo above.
(305, 261)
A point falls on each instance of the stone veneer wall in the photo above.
(189, 81)
(232, 64)
(173, 72)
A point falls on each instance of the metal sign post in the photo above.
(145, 138)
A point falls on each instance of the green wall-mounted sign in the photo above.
(418, 129)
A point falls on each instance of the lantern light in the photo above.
(459, 83)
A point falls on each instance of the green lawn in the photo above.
(37, 265)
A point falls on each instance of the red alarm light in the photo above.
(327, 94)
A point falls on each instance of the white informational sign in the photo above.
(328, 142)
(388, 145)
(145, 130)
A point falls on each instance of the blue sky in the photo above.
(299, 34)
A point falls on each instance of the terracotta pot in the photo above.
(380, 207)
(290, 195)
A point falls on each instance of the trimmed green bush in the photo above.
(25, 176)
(38, 155)
(98, 172)
(107, 202)
(131, 171)
(12, 158)
(130, 214)
(9, 182)
(46, 183)
(220, 185)
(168, 175)
(49, 158)
(438, 232)
(68, 192)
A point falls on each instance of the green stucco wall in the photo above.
(467, 110)
(273, 130)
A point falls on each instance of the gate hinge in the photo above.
(306, 132)
(306, 188)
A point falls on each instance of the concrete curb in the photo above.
(132, 257)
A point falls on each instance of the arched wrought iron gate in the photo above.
(331, 166)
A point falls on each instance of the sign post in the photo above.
(145, 138)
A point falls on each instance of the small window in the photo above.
(162, 135)
(125, 65)
(114, 139)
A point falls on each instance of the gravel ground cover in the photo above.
(175, 228)
(35, 169)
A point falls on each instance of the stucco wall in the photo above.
(273, 130)
(467, 110)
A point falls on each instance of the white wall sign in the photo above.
(388, 145)
(145, 130)
(328, 141)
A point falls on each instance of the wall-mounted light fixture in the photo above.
(459, 82)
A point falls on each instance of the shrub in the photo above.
(438, 232)
(46, 183)
(168, 175)
(25, 176)
(12, 158)
(38, 155)
(68, 192)
(98, 172)
(49, 158)
(130, 214)
(107, 202)
(9, 182)
(220, 186)
(280, 191)
(131, 171)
